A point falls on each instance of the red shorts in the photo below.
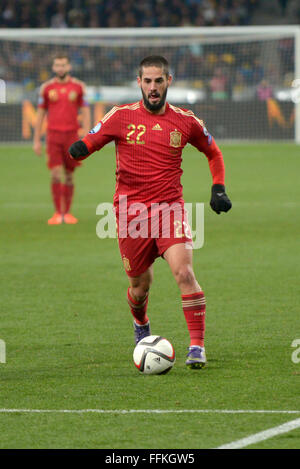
(143, 239)
(58, 144)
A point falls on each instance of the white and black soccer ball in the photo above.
(154, 355)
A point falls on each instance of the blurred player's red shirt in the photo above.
(62, 101)
(149, 149)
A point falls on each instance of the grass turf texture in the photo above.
(68, 330)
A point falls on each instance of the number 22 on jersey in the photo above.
(135, 134)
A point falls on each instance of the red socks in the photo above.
(56, 195)
(194, 311)
(67, 194)
(138, 309)
(62, 195)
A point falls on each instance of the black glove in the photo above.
(219, 201)
(78, 149)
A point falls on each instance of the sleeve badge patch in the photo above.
(96, 128)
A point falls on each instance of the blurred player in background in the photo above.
(61, 98)
(150, 136)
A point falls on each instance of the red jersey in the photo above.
(149, 150)
(62, 100)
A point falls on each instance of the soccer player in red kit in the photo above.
(150, 136)
(61, 98)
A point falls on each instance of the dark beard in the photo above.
(156, 106)
(61, 77)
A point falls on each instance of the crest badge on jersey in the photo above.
(72, 95)
(53, 95)
(175, 139)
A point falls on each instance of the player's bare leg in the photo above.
(137, 297)
(180, 260)
(140, 286)
(56, 174)
(67, 197)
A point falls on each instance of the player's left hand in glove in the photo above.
(219, 201)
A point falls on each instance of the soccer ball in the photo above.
(154, 355)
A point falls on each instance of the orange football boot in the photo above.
(57, 219)
(70, 219)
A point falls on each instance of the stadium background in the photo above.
(238, 84)
(145, 13)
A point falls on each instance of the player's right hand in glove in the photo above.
(219, 201)
(78, 150)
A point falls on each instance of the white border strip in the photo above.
(146, 411)
(261, 436)
(21, 33)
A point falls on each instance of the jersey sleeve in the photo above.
(204, 142)
(43, 99)
(82, 101)
(104, 132)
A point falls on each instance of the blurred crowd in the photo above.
(129, 13)
(224, 71)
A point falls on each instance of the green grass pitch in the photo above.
(68, 330)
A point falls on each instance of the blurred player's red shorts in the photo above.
(58, 144)
(156, 234)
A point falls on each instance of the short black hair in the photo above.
(60, 55)
(154, 61)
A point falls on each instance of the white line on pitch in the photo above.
(147, 411)
(261, 436)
